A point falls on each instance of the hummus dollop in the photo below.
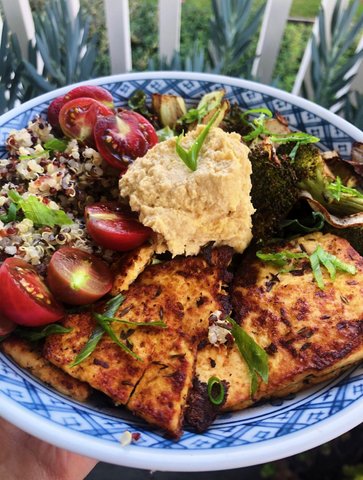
(187, 209)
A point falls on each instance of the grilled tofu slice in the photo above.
(309, 333)
(182, 292)
(29, 355)
(130, 266)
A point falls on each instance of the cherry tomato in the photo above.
(78, 117)
(53, 112)
(123, 137)
(115, 227)
(91, 91)
(77, 277)
(25, 299)
(6, 325)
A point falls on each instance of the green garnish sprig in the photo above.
(259, 128)
(104, 322)
(214, 383)
(38, 333)
(52, 145)
(318, 258)
(255, 356)
(190, 157)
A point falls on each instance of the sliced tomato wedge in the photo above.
(115, 227)
(123, 137)
(78, 117)
(25, 299)
(77, 277)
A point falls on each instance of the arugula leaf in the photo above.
(39, 213)
(35, 334)
(255, 356)
(190, 157)
(56, 145)
(165, 133)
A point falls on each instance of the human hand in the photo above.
(24, 457)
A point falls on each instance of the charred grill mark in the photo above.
(283, 316)
(101, 363)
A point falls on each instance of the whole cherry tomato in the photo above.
(115, 227)
(25, 299)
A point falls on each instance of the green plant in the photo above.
(9, 69)
(333, 56)
(65, 46)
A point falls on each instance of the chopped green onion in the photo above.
(255, 356)
(90, 346)
(106, 327)
(157, 323)
(190, 157)
(330, 262)
(315, 267)
(280, 258)
(213, 383)
(43, 153)
(336, 189)
(111, 308)
(11, 215)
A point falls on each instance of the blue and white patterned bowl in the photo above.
(263, 433)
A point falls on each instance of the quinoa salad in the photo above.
(65, 180)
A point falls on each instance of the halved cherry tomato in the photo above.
(77, 277)
(91, 91)
(123, 137)
(78, 117)
(115, 227)
(6, 325)
(25, 299)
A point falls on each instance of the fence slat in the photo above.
(20, 21)
(118, 28)
(169, 28)
(268, 46)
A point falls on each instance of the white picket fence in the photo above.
(20, 21)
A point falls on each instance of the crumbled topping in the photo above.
(219, 331)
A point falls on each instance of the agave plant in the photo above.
(333, 56)
(233, 27)
(65, 46)
(195, 62)
(10, 69)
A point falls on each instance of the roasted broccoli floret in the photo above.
(315, 177)
(274, 190)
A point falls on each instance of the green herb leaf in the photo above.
(300, 137)
(190, 157)
(39, 213)
(56, 145)
(90, 346)
(255, 357)
(315, 267)
(11, 215)
(35, 334)
(212, 383)
(280, 258)
(209, 102)
(265, 112)
(106, 327)
(44, 153)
